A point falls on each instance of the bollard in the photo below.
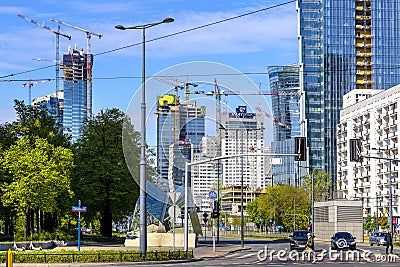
(9, 259)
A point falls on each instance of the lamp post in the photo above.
(389, 159)
(142, 181)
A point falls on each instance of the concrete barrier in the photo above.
(163, 240)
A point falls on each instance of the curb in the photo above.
(225, 253)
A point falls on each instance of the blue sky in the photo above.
(248, 44)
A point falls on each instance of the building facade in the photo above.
(204, 176)
(176, 122)
(285, 86)
(374, 120)
(242, 133)
(51, 101)
(77, 99)
(344, 45)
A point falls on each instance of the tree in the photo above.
(40, 174)
(277, 205)
(321, 185)
(37, 122)
(370, 223)
(102, 179)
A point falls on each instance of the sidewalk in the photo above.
(200, 253)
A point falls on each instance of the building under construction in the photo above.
(77, 99)
(178, 122)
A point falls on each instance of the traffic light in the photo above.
(300, 148)
(215, 211)
(355, 150)
(205, 217)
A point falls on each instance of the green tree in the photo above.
(35, 122)
(102, 179)
(383, 222)
(279, 203)
(370, 223)
(40, 174)
(321, 185)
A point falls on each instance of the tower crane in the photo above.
(176, 108)
(88, 61)
(42, 59)
(217, 92)
(274, 120)
(187, 84)
(57, 33)
(31, 83)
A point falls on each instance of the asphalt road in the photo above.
(256, 256)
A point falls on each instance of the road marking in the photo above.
(231, 255)
(247, 255)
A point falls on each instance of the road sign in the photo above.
(79, 209)
(212, 194)
(176, 209)
(174, 196)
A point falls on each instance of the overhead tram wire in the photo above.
(172, 34)
(199, 27)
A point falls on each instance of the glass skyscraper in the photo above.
(77, 99)
(285, 88)
(344, 45)
(190, 123)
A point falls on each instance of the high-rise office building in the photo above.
(344, 45)
(284, 83)
(176, 122)
(77, 99)
(243, 133)
(51, 101)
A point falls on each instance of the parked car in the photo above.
(377, 238)
(298, 240)
(343, 240)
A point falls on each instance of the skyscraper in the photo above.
(77, 106)
(51, 101)
(344, 45)
(190, 127)
(284, 82)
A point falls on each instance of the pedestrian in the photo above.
(389, 242)
(310, 242)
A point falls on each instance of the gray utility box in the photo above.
(338, 216)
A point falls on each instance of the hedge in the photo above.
(68, 256)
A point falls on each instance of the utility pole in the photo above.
(377, 213)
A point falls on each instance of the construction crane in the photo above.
(217, 92)
(41, 59)
(88, 60)
(31, 83)
(187, 84)
(57, 33)
(176, 108)
(274, 120)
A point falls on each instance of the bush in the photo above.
(86, 256)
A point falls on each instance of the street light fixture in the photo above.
(142, 181)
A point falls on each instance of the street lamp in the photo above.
(390, 185)
(142, 181)
(312, 195)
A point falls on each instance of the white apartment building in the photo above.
(204, 176)
(372, 116)
(243, 133)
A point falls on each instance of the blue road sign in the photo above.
(212, 194)
(79, 209)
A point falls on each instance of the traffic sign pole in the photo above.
(79, 209)
(79, 227)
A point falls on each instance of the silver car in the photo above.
(377, 238)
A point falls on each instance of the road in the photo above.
(255, 256)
